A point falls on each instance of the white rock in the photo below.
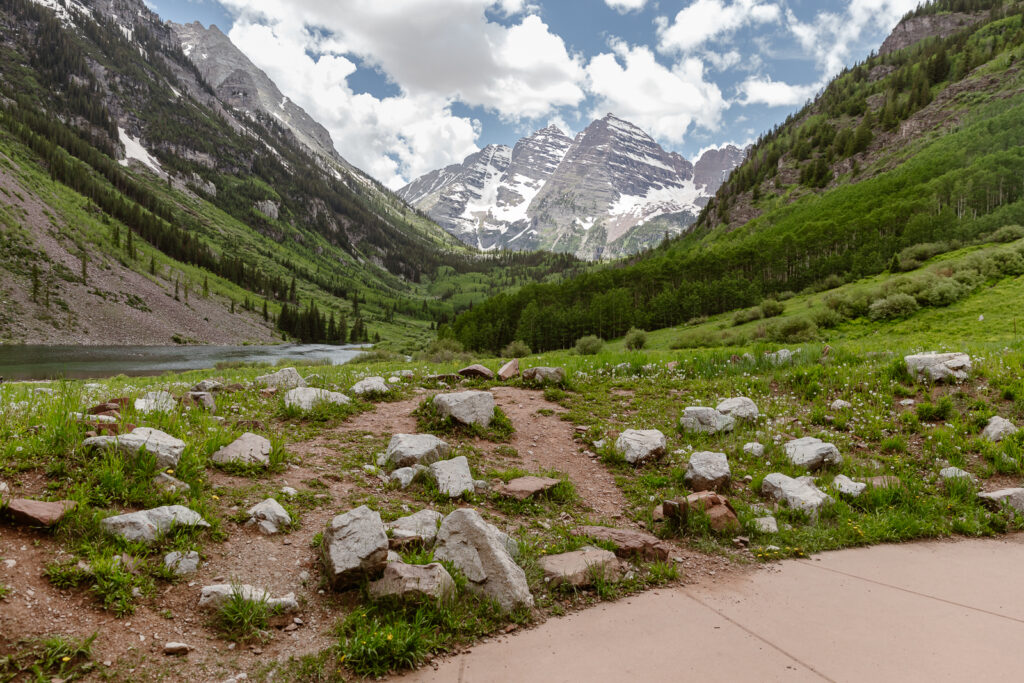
(406, 450)
(412, 580)
(453, 476)
(1012, 497)
(907, 402)
(248, 449)
(208, 386)
(287, 378)
(579, 567)
(182, 564)
(156, 402)
(840, 404)
(937, 367)
(269, 516)
(422, 524)
(467, 407)
(201, 399)
(544, 375)
(147, 526)
(289, 491)
(355, 546)
(812, 453)
(955, 473)
(848, 487)
(173, 648)
(766, 525)
(96, 419)
(306, 398)
(370, 385)
(639, 445)
(740, 407)
(217, 595)
(405, 475)
(998, 428)
(478, 550)
(753, 448)
(164, 447)
(799, 494)
(708, 471)
(706, 420)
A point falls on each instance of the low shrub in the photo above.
(589, 345)
(746, 316)
(893, 307)
(636, 339)
(516, 349)
(771, 308)
(793, 330)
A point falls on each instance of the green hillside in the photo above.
(922, 148)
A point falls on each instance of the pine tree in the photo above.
(35, 283)
(206, 286)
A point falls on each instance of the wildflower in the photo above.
(389, 636)
(65, 659)
(215, 497)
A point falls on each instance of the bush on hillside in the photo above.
(1008, 233)
(589, 345)
(636, 339)
(771, 308)
(893, 307)
(443, 350)
(826, 318)
(515, 349)
(748, 315)
(793, 330)
(943, 293)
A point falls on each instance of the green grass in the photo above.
(51, 658)
(429, 420)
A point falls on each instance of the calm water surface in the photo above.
(85, 362)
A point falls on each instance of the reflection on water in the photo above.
(84, 362)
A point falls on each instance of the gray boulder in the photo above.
(208, 386)
(370, 385)
(182, 564)
(164, 447)
(544, 375)
(766, 525)
(740, 407)
(706, 420)
(467, 407)
(998, 428)
(268, 516)
(355, 546)
(156, 402)
(812, 453)
(1003, 497)
(405, 475)
(307, 398)
(848, 487)
(248, 449)
(200, 399)
(147, 526)
(405, 450)
(840, 404)
(640, 445)
(414, 580)
(799, 494)
(780, 357)
(580, 567)
(948, 473)
(216, 596)
(708, 471)
(937, 367)
(754, 448)
(478, 371)
(286, 378)
(478, 550)
(453, 476)
(422, 524)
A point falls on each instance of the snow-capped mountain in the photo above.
(610, 192)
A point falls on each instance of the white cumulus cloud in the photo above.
(623, 6)
(705, 20)
(665, 102)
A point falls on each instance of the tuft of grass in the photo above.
(429, 420)
(241, 619)
(52, 658)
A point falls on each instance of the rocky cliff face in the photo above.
(241, 84)
(594, 196)
(915, 29)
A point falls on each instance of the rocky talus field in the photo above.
(322, 523)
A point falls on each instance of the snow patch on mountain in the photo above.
(133, 149)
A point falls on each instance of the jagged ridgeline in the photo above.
(120, 159)
(918, 149)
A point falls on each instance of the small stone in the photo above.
(477, 371)
(216, 596)
(705, 420)
(248, 449)
(630, 543)
(766, 525)
(937, 367)
(509, 370)
(405, 450)
(580, 567)
(753, 448)
(800, 493)
(453, 477)
(286, 378)
(467, 407)
(640, 445)
(522, 488)
(307, 398)
(948, 473)
(840, 404)
(182, 564)
(405, 475)
(997, 429)
(147, 526)
(269, 516)
(165, 448)
(740, 407)
(370, 386)
(708, 471)
(422, 525)
(812, 453)
(39, 512)
(544, 375)
(355, 547)
(176, 649)
(848, 487)
(411, 580)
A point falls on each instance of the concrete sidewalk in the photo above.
(935, 611)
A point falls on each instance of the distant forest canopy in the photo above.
(952, 188)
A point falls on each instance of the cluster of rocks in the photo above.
(355, 548)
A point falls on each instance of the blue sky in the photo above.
(406, 86)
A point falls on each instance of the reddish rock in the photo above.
(672, 365)
(718, 509)
(268, 392)
(121, 402)
(104, 408)
(399, 542)
(658, 514)
(477, 370)
(509, 370)
(629, 542)
(39, 512)
(232, 388)
(524, 487)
